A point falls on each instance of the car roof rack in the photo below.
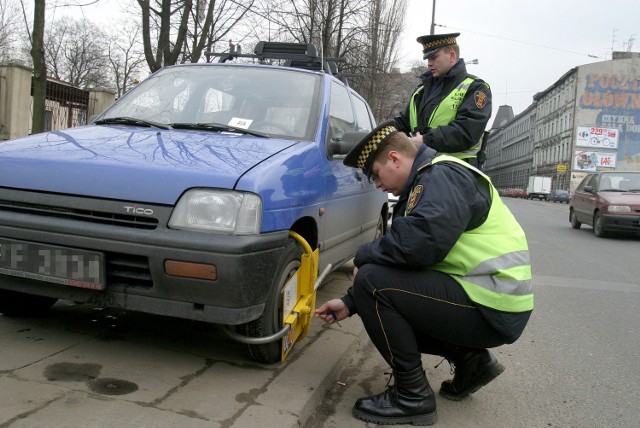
(296, 55)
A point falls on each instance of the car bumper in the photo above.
(621, 223)
(136, 277)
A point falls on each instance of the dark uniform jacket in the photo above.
(454, 199)
(472, 117)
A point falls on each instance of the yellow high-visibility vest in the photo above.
(491, 262)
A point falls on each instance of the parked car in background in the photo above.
(608, 201)
(558, 195)
(519, 193)
(181, 198)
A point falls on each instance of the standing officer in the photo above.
(452, 277)
(450, 110)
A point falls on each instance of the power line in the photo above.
(520, 41)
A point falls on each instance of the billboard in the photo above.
(597, 138)
(588, 160)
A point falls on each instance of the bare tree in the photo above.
(364, 32)
(37, 50)
(10, 27)
(385, 23)
(75, 53)
(39, 68)
(332, 25)
(224, 17)
(126, 57)
(179, 30)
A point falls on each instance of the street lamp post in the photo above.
(433, 18)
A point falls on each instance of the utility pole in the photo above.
(433, 18)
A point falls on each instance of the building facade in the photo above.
(588, 120)
(553, 135)
(510, 148)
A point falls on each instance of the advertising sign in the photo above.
(597, 138)
(594, 161)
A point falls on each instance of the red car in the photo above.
(608, 201)
(519, 193)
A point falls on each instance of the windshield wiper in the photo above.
(218, 127)
(125, 120)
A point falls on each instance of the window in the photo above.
(362, 114)
(341, 118)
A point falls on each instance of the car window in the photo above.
(283, 103)
(584, 182)
(363, 116)
(618, 181)
(341, 118)
(592, 181)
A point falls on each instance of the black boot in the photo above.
(473, 370)
(410, 401)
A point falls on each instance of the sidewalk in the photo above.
(85, 367)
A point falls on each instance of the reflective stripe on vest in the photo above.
(445, 113)
(491, 262)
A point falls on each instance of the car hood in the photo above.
(621, 198)
(127, 163)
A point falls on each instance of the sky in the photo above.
(524, 47)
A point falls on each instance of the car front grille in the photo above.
(123, 220)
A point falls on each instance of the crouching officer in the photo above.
(452, 277)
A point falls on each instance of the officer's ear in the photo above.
(394, 157)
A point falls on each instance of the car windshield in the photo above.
(260, 100)
(620, 182)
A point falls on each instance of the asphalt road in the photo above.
(577, 364)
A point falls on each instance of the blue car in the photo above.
(558, 195)
(178, 200)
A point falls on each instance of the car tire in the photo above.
(16, 304)
(598, 228)
(574, 220)
(270, 322)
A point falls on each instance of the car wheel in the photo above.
(574, 220)
(16, 304)
(270, 322)
(598, 228)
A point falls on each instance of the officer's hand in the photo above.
(332, 311)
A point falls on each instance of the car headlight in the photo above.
(619, 209)
(218, 211)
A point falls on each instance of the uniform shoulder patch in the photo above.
(480, 98)
(414, 197)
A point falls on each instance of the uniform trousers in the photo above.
(407, 313)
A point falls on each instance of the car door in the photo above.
(583, 202)
(352, 205)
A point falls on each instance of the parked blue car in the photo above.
(178, 199)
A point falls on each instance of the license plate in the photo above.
(59, 265)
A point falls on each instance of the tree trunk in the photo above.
(39, 69)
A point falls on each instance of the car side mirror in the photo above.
(339, 147)
(588, 189)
